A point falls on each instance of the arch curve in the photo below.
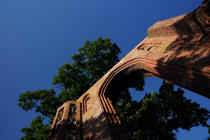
(133, 68)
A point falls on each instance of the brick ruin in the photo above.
(176, 49)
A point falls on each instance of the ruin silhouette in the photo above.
(176, 50)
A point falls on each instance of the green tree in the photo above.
(73, 79)
(157, 115)
(37, 130)
(89, 65)
(42, 101)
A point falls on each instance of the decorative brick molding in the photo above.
(67, 122)
(177, 50)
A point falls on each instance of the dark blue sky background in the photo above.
(38, 36)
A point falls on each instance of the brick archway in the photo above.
(176, 50)
(132, 67)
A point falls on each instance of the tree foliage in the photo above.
(37, 130)
(91, 63)
(43, 101)
(157, 115)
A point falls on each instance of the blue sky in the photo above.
(38, 36)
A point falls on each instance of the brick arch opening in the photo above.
(128, 75)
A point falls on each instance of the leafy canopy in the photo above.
(37, 130)
(157, 115)
(91, 63)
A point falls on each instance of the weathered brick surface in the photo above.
(203, 16)
(177, 50)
